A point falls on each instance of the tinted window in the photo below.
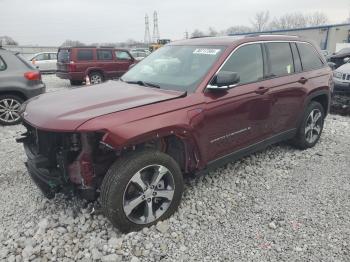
(247, 61)
(297, 62)
(63, 56)
(53, 56)
(122, 55)
(2, 65)
(85, 55)
(281, 60)
(309, 57)
(104, 55)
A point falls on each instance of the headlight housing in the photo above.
(337, 75)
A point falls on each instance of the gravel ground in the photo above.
(278, 205)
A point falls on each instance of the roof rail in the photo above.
(280, 35)
(194, 37)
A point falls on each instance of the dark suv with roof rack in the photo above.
(98, 63)
(189, 107)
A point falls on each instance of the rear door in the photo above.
(106, 62)
(286, 85)
(53, 61)
(123, 61)
(238, 117)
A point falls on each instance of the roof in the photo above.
(230, 40)
(292, 30)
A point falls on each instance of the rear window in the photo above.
(24, 61)
(2, 64)
(53, 56)
(309, 57)
(104, 55)
(85, 55)
(281, 59)
(63, 56)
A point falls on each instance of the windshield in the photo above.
(179, 68)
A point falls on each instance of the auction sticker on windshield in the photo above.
(206, 51)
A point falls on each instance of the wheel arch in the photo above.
(14, 93)
(177, 142)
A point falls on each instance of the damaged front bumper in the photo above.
(61, 162)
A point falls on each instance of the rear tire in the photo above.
(9, 110)
(311, 127)
(96, 78)
(141, 189)
(76, 82)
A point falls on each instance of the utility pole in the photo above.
(147, 38)
(155, 27)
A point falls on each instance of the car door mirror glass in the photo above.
(346, 59)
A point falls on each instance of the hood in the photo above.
(67, 110)
(344, 69)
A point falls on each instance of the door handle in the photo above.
(262, 90)
(302, 80)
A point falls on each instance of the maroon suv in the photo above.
(99, 64)
(189, 107)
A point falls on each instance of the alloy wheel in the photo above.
(95, 79)
(9, 110)
(313, 126)
(148, 194)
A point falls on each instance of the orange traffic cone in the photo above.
(87, 80)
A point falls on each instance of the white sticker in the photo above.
(206, 51)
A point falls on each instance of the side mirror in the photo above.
(132, 65)
(332, 65)
(346, 59)
(225, 80)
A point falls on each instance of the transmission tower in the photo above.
(155, 27)
(147, 39)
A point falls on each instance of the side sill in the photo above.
(234, 156)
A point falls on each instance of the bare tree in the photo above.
(317, 18)
(197, 33)
(6, 40)
(72, 43)
(238, 29)
(261, 20)
(212, 32)
(298, 20)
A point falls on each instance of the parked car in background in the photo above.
(139, 55)
(341, 77)
(19, 81)
(99, 64)
(188, 108)
(338, 57)
(45, 62)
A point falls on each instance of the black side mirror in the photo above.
(225, 80)
(332, 65)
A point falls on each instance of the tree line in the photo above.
(262, 21)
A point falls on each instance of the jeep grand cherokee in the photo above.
(187, 108)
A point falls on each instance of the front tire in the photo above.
(311, 126)
(141, 189)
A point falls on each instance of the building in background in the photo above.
(326, 36)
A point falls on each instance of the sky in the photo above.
(51, 22)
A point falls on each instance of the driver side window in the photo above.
(247, 62)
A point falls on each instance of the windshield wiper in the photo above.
(142, 83)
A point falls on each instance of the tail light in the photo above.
(32, 76)
(72, 67)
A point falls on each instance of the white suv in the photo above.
(45, 62)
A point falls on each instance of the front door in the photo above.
(240, 116)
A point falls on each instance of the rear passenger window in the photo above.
(247, 61)
(104, 55)
(297, 62)
(85, 55)
(281, 59)
(309, 57)
(2, 65)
